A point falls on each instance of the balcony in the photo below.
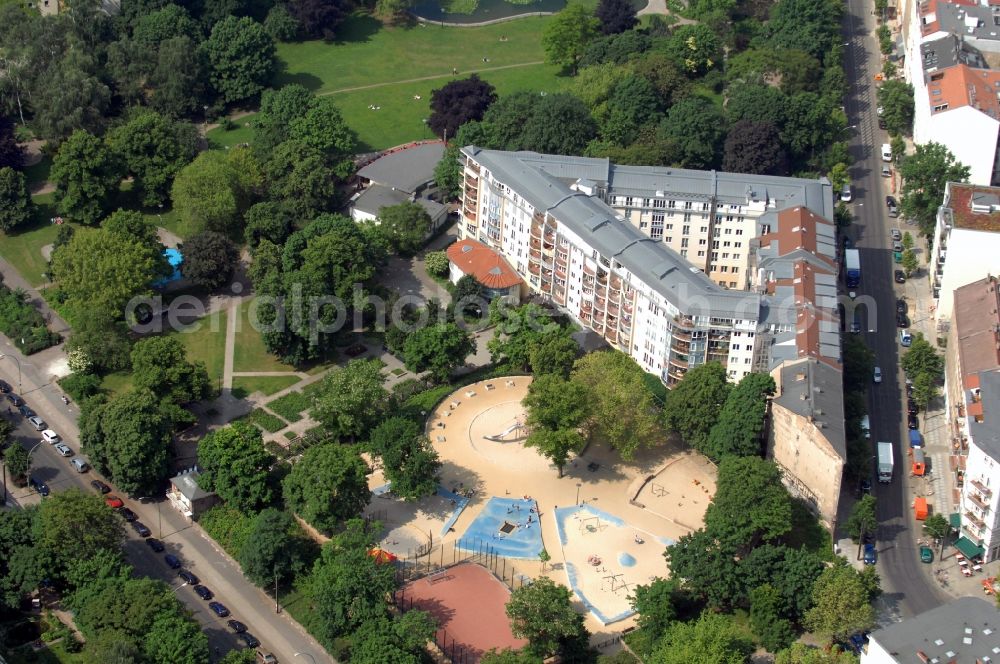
(550, 236)
(611, 335)
(602, 277)
(598, 327)
(534, 268)
(562, 256)
(585, 316)
(978, 501)
(975, 520)
(560, 271)
(685, 322)
(538, 218)
(616, 283)
(534, 255)
(600, 303)
(548, 249)
(981, 488)
(627, 306)
(588, 272)
(681, 361)
(612, 309)
(560, 298)
(536, 232)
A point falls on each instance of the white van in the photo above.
(80, 465)
(866, 427)
(886, 152)
(905, 338)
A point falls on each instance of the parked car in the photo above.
(37, 422)
(886, 172)
(172, 561)
(845, 193)
(901, 307)
(355, 350)
(881, 123)
(4, 387)
(219, 609)
(100, 486)
(39, 486)
(140, 529)
(114, 502)
(63, 449)
(128, 514)
(871, 556)
(26, 411)
(897, 246)
(911, 421)
(155, 544)
(188, 576)
(866, 486)
(902, 320)
(926, 554)
(237, 626)
(80, 464)
(203, 592)
(905, 339)
(894, 233)
(250, 640)
(911, 406)
(51, 437)
(877, 376)
(899, 277)
(15, 400)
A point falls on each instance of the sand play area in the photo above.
(479, 433)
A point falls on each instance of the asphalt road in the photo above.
(249, 604)
(907, 588)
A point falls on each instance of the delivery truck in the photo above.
(884, 462)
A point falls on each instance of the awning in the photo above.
(955, 520)
(970, 550)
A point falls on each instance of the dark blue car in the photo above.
(172, 561)
(219, 609)
(870, 554)
(39, 486)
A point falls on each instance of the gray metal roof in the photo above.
(376, 197)
(187, 484)
(408, 169)
(814, 389)
(965, 630)
(986, 434)
(656, 265)
(948, 51)
(975, 22)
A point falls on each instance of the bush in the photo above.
(437, 264)
(81, 386)
(291, 406)
(23, 324)
(265, 420)
(227, 526)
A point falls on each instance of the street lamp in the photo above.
(578, 485)
(305, 654)
(173, 590)
(18, 363)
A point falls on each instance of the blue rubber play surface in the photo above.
(503, 525)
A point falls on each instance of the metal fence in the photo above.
(428, 559)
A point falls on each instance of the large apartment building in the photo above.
(591, 236)
(966, 235)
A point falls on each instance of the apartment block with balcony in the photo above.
(966, 235)
(554, 228)
(980, 530)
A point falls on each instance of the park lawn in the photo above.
(401, 116)
(221, 138)
(38, 174)
(250, 353)
(165, 218)
(205, 341)
(116, 383)
(244, 386)
(23, 247)
(368, 53)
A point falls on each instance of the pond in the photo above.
(476, 11)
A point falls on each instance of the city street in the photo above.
(907, 587)
(249, 604)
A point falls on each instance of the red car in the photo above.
(114, 502)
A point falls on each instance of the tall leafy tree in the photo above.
(750, 505)
(73, 525)
(863, 518)
(654, 603)
(754, 147)
(209, 260)
(553, 353)
(439, 349)
(301, 179)
(154, 149)
(276, 547)
(741, 421)
(632, 103)
(242, 58)
(235, 465)
(179, 77)
(171, 21)
(17, 461)
(767, 610)
(805, 25)
(542, 613)
(800, 653)
(560, 124)
(70, 97)
(693, 406)
(176, 638)
(896, 100)
(278, 109)
(841, 604)
(15, 201)
(556, 445)
(86, 174)
(922, 357)
(11, 154)
(208, 196)
(924, 175)
(351, 398)
(405, 226)
(327, 485)
(412, 465)
(160, 365)
(323, 129)
(566, 36)
(555, 403)
(448, 173)
(616, 16)
(696, 127)
(319, 19)
(458, 102)
(711, 638)
(695, 48)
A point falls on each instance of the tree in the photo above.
(755, 102)
(301, 180)
(129, 439)
(391, 432)
(924, 174)
(439, 349)
(632, 103)
(742, 419)
(555, 403)
(554, 353)
(280, 24)
(103, 340)
(566, 36)
(73, 525)
(156, 27)
(712, 638)
(245, 656)
(267, 221)
(405, 226)
(17, 461)
(242, 58)
(800, 653)
(697, 127)
(160, 365)
(909, 262)
(556, 444)
(351, 398)
(750, 505)
(655, 605)
(319, 19)
(767, 610)
(179, 77)
(666, 76)
(436, 263)
(176, 638)
(278, 108)
(907, 240)
(235, 465)
(812, 123)
(615, 16)
(695, 48)
(207, 195)
(925, 389)
(922, 357)
(896, 99)
(322, 128)
(543, 613)
(804, 25)
(754, 147)
(622, 410)
(508, 656)
(458, 102)
(448, 174)
(559, 124)
(859, 363)
(348, 586)
(328, 485)
(154, 149)
(937, 526)
(15, 201)
(70, 97)
(401, 640)
(276, 547)
(100, 271)
(86, 174)
(412, 465)
(209, 260)
(841, 605)
(694, 405)
(11, 154)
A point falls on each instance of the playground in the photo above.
(468, 602)
(681, 490)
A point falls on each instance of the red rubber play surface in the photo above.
(468, 603)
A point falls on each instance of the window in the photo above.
(729, 217)
(659, 203)
(670, 213)
(687, 205)
(668, 239)
(736, 269)
(702, 242)
(645, 202)
(684, 242)
(736, 346)
(670, 227)
(724, 268)
(704, 229)
(715, 244)
(732, 284)
(715, 255)
(628, 213)
(642, 224)
(658, 217)
(765, 229)
(671, 204)
(739, 231)
(725, 255)
(701, 254)
(684, 253)
(687, 217)
(686, 230)
(726, 243)
(716, 232)
(656, 233)
(729, 231)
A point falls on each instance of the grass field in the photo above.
(244, 386)
(265, 420)
(23, 248)
(38, 174)
(220, 138)
(205, 341)
(250, 353)
(292, 405)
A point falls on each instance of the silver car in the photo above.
(63, 449)
(895, 233)
(37, 422)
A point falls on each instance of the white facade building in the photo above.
(966, 241)
(980, 532)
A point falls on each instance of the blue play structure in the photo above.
(175, 259)
(508, 526)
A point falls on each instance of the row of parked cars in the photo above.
(173, 562)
